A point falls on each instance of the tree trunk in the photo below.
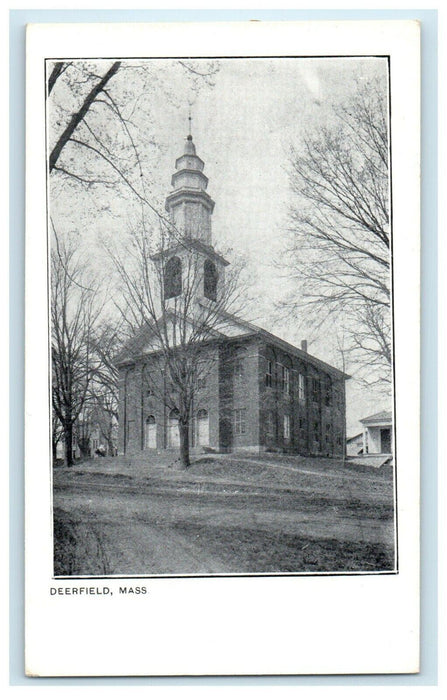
(184, 444)
(68, 444)
(55, 73)
(110, 446)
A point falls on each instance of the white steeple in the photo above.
(189, 204)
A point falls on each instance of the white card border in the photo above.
(30, 512)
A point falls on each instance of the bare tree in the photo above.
(178, 325)
(80, 114)
(104, 392)
(338, 252)
(58, 69)
(74, 314)
(92, 118)
(96, 139)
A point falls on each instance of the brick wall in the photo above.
(239, 395)
(142, 391)
(315, 422)
(250, 403)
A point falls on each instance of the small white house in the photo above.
(354, 445)
(378, 433)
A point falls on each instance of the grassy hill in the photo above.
(231, 514)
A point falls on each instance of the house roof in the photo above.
(354, 437)
(381, 417)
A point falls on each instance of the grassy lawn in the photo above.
(226, 514)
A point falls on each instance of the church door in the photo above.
(203, 428)
(173, 429)
(150, 433)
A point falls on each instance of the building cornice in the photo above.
(188, 194)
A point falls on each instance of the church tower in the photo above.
(190, 210)
(189, 204)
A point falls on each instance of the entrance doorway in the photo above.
(203, 428)
(173, 429)
(385, 440)
(150, 433)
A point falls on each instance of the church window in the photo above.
(269, 373)
(328, 392)
(301, 388)
(315, 390)
(173, 278)
(210, 280)
(302, 424)
(240, 424)
(285, 376)
(239, 367)
(286, 427)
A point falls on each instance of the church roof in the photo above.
(253, 329)
(134, 346)
(137, 346)
(193, 243)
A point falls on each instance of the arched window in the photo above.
(210, 278)
(239, 366)
(173, 429)
(203, 428)
(328, 391)
(150, 433)
(173, 278)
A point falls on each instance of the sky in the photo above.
(243, 126)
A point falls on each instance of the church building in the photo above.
(260, 392)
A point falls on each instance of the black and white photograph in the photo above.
(222, 349)
(220, 274)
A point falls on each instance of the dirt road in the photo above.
(160, 522)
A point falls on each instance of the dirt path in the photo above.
(138, 547)
(120, 536)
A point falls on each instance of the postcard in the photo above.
(222, 349)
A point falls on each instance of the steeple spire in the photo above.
(189, 204)
(190, 149)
